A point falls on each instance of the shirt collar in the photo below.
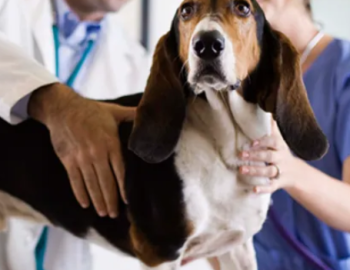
(68, 22)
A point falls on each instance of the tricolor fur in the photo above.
(186, 199)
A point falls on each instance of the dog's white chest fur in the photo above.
(219, 202)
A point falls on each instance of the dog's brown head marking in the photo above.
(225, 20)
(214, 44)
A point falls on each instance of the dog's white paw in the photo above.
(3, 223)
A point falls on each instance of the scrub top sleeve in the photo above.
(342, 135)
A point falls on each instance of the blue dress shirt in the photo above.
(73, 36)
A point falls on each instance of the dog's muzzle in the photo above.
(211, 58)
(208, 45)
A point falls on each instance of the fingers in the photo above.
(84, 182)
(93, 187)
(122, 113)
(95, 180)
(77, 184)
(268, 172)
(261, 171)
(108, 186)
(92, 163)
(117, 164)
(267, 156)
(128, 114)
(267, 142)
(269, 189)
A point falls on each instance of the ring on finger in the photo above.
(278, 174)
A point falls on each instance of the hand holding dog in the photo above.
(282, 167)
(85, 137)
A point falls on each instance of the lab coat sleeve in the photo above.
(19, 77)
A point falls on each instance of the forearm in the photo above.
(325, 197)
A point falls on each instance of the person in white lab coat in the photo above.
(86, 49)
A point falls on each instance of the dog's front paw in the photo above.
(3, 223)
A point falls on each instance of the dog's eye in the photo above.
(242, 9)
(187, 11)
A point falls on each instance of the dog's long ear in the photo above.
(162, 109)
(277, 86)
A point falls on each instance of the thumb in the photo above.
(268, 189)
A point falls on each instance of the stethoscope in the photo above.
(70, 81)
(56, 35)
(312, 44)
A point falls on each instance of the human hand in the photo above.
(282, 166)
(84, 135)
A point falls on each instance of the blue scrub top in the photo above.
(328, 87)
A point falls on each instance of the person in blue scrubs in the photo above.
(309, 220)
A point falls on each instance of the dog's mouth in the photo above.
(210, 76)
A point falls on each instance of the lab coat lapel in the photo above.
(65, 251)
(41, 21)
(22, 239)
(110, 70)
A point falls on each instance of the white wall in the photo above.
(130, 15)
(162, 13)
(334, 15)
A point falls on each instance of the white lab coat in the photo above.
(119, 67)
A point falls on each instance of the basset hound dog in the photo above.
(218, 77)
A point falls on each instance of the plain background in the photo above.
(334, 15)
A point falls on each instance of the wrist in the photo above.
(48, 101)
(297, 166)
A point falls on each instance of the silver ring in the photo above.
(278, 172)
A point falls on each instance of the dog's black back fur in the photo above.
(31, 171)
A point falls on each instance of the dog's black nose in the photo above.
(209, 45)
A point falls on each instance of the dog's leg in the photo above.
(241, 258)
(226, 262)
(174, 265)
(165, 266)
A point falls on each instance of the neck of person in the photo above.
(301, 32)
(86, 12)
